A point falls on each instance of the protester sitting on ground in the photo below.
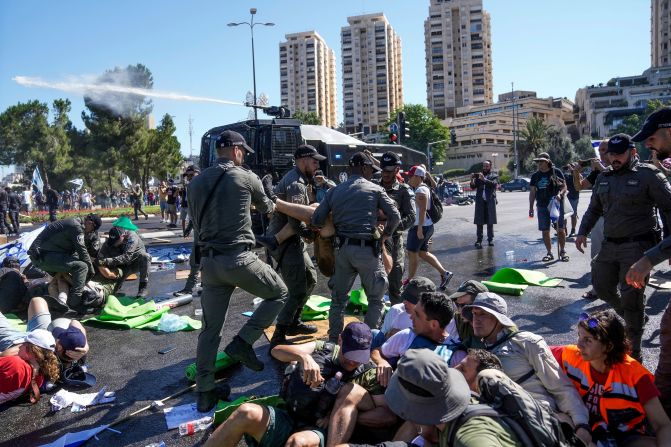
(419, 235)
(27, 370)
(426, 392)
(95, 293)
(398, 316)
(475, 361)
(526, 359)
(61, 247)
(13, 286)
(124, 249)
(71, 343)
(618, 391)
(432, 328)
(315, 363)
(464, 296)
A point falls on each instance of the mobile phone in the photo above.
(167, 349)
(586, 163)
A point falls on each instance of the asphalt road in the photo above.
(128, 362)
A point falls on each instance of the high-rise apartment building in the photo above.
(371, 73)
(457, 40)
(307, 76)
(660, 29)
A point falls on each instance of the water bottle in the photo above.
(328, 395)
(189, 428)
(510, 256)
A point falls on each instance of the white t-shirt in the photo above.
(396, 318)
(399, 343)
(27, 197)
(423, 189)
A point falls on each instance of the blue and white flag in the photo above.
(37, 179)
(152, 181)
(595, 146)
(125, 181)
(77, 182)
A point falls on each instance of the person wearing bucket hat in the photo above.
(424, 391)
(548, 183)
(526, 358)
(626, 196)
(355, 204)
(463, 296)
(402, 195)
(61, 247)
(124, 249)
(311, 364)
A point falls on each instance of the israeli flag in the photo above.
(77, 182)
(595, 146)
(152, 181)
(125, 181)
(37, 179)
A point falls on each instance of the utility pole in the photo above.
(517, 161)
(190, 138)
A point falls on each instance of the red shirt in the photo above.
(15, 377)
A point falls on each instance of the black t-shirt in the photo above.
(172, 195)
(545, 188)
(591, 178)
(572, 192)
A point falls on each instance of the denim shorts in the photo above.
(280, 428)
(415, 245)
(8, 334)
(544, 222)
(574, 204)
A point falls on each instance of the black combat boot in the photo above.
(279, 336)
(142, 290)
(208, 399)
(243, 352)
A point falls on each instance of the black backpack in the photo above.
(533, 423)
(435, 211)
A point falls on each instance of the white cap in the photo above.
(39, 337)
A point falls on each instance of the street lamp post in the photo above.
(251, 25)
(517, 161)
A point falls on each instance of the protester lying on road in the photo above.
(618, 391)
(527, 360)
(315, 363)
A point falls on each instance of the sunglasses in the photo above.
(592, 322)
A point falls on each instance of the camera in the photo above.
(475, 175)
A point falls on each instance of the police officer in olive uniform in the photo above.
(404, 197)
(354, 204)
(13, 208)
(61, 247)
(219, 200)
(4, 205)
(625, 194)
(124, 249)
(294, 263)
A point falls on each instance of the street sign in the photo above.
(393, 128)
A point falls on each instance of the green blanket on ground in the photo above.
(514, 281)
(316, 308)
(223, 361)
(134, 313)
(225, 409)
(16, 322)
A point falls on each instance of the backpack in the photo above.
(435, 211)
(533, 423)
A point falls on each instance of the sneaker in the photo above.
(182, 292)
(243, 352)
(490, 243)
(208, 399)
(478, 245)
(301, 328)
(572, 233)
(445, 280)
(142, 290)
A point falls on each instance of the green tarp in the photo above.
(223, 361)
(134, 313)
(225, 409)
(511, 281)
(316, 308)
(16, 322)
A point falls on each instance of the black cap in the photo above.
(660, 119)
(114, 235)
(390, 161)
(308, 151)
(361, 159)
(97, 221)
(191, 169)
(229, 138)
(415, 287)
(618, 144)
(470, 287)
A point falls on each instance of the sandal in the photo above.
(548, 257)
(563, 257)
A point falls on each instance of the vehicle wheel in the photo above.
(524, 189)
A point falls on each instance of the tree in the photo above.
(306, 117)
(584, 148)
(425, 128)
(535, 136)
(560, 147)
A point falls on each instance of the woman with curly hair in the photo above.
(35, 362)
(618, 391)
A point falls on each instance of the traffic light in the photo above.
(403, 126)
(393, 138)
(453, 137)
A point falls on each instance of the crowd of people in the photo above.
(435, 368)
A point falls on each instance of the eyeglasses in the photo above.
(592, 322)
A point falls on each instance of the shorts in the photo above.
(163, 205)
(415, 245)
(543, 215)
(184, 213)
(280, 428)
(8, 334)
(574, 205)
(172, 208)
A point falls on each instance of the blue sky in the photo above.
(553, 48)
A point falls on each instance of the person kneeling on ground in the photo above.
(124, 249)
(618, 391)
(527, 360)
(316, 362)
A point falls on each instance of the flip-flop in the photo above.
(548, 257)
(563, 257)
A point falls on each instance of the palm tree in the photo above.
(535, 136)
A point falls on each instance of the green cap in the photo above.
(125, 223)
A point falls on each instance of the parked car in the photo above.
(518, 184)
